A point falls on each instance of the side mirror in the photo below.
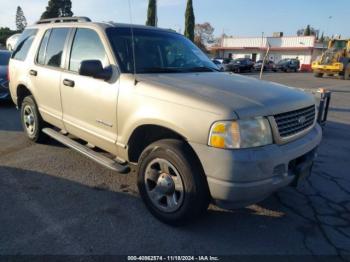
(94, 68)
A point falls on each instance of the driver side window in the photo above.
(179, 55)
(173, 53)
(87, 45)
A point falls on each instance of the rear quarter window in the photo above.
(24, 43)
(52, 46)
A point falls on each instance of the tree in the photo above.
(152, 13)
(189, 21)
(21, 21)
(307, 31)
(203, 35)
(322, 38)
(58, 8)
(66, 10)
(5, 33)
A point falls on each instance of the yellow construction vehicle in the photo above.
(335, 60)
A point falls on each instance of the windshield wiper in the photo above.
(159, 70)
(176, 69)
(201, 69)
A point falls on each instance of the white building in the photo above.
(305, 48)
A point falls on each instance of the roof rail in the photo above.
(63, 20)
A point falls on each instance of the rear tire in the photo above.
(172, 183)
(32, 122)
(318, 75)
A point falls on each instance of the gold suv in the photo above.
(150, 97)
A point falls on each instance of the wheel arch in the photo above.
(146, 134)
(22, 91)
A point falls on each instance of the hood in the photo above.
(245, 96)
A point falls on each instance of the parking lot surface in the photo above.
(55, 201)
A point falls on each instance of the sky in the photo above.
(233, 17)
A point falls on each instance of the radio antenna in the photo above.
(132, 43)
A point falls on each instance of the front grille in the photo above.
(294, 122)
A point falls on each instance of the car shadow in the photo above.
(48, 213)
(37, 207)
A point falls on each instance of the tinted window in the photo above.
(4, 58)
(42, 49)
(86, 46)
(24, 43)
(54, 50)
(157, 51)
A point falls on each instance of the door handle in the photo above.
(68, 82)
(33, 72)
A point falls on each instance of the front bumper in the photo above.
(237, 178)
(335, 68)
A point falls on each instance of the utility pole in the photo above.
(265, 58)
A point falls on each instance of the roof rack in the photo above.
(63, 20)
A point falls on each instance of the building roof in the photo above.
(290, 43)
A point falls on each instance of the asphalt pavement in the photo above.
(55, 201)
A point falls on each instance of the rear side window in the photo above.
(51, 48)
(24, 43)
(42, 50)
(87, 46)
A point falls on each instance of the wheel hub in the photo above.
(30, 119)
(166, 184)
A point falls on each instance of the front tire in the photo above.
(32, 122)
(172, 183)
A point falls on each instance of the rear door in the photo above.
(89, 104)
(46, 74)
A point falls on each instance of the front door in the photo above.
(89, 104)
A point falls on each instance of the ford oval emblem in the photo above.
(302, 120)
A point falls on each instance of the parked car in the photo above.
(268, 66)
(219, 64)
(223, 60)
(288, 65)
(4, 62)
(11, 41)
(195, 135)
(240, 65)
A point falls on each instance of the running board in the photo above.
(97, 157)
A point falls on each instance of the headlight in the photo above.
(241, 133)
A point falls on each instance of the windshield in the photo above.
(157, 51)
(283, 61)
(339, 44)
(4, 58)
